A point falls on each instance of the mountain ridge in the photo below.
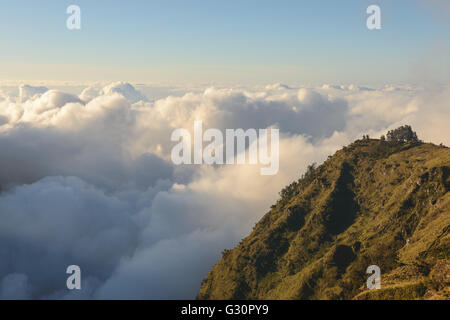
(374, 202)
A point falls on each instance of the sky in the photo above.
(226, 41)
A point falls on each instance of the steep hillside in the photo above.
(372, 203)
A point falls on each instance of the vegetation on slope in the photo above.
(375, 202)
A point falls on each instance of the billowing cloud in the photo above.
(125, 89)
(26, 91)
(88, 179)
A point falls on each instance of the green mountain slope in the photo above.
(372, 203)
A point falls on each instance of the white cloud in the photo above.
(27, 91)
(125, 89)
(88, 94)
(88, 180)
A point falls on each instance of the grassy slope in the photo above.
(373, 202)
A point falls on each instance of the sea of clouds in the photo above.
(86, 177)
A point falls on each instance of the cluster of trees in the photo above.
(306, 177)
(401, 134)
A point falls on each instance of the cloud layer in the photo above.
(87, 179)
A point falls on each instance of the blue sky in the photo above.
(247, 41)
